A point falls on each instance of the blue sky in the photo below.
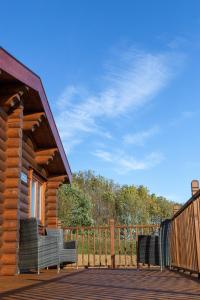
(123, 82)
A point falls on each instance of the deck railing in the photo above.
(185, 236)
(110, 245)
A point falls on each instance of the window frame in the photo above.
(39, 183)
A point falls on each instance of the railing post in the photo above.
(112, 243)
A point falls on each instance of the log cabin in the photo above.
(33, 163)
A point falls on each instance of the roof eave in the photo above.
(16, 69)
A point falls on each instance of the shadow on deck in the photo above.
(108, 284)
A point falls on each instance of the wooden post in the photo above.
(112, 243)
(194, 186)
(196, 227)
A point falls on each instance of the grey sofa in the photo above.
(36, 251)
(67, 250)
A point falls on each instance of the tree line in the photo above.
(93, 200)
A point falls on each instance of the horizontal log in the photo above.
(29, 149)
(12, 182)
(29, 158)
(2, 187)
(14, 132)
(13, 162)
(52, 206)
(3, 123)
(16, 114)
(24, 190)
(10, 224)
(8, 270)
(52, 213)
(9, 247)
(24, 209)
(29, 125)
(3, 145)
(51, 192)
(9, 259)
(1, 197)
(34, 117)
(15, 124)
(13, 143)
(10, 236)
(11, 193)
(43, 160)
(12, 172)
(26, 164)
(13, 152)
(3, 134)
(2, 176)
(10, 214)
(53, 185)
(51, 199)
(11, 203)
(2, 166)
(46, 152)
(52, 221)
(58, 179)
(2, 155)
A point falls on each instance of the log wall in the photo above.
(11, 193)
(3, 138)
(52, 203)
(17, 154)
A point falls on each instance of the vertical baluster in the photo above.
(77, 246)
(99, 233)
(82, 233)
(136, 244)
(105, 239)
(131, 245)
(125, 232)
(119, 246)
(88, 246)
(94, 247)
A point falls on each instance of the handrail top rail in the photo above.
(186, 204)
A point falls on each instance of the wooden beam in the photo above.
(45, 156)
(32, 121)
(12, 95)
(44, 152)
(11, 100)
(43, 160)
(34, 117)
(58, 178)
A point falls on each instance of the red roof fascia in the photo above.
(15, 68)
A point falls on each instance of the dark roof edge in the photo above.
(15, 68)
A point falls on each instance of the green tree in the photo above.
(93, 199)
(74, 207)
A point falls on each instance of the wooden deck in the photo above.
(102, 284)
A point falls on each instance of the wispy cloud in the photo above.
(139, 138)
(124, 163)
(129, 82)
(183, 116)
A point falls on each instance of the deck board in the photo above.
(106, 284)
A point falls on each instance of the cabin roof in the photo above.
(11, 67)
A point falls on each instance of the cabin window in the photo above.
(37, 199)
